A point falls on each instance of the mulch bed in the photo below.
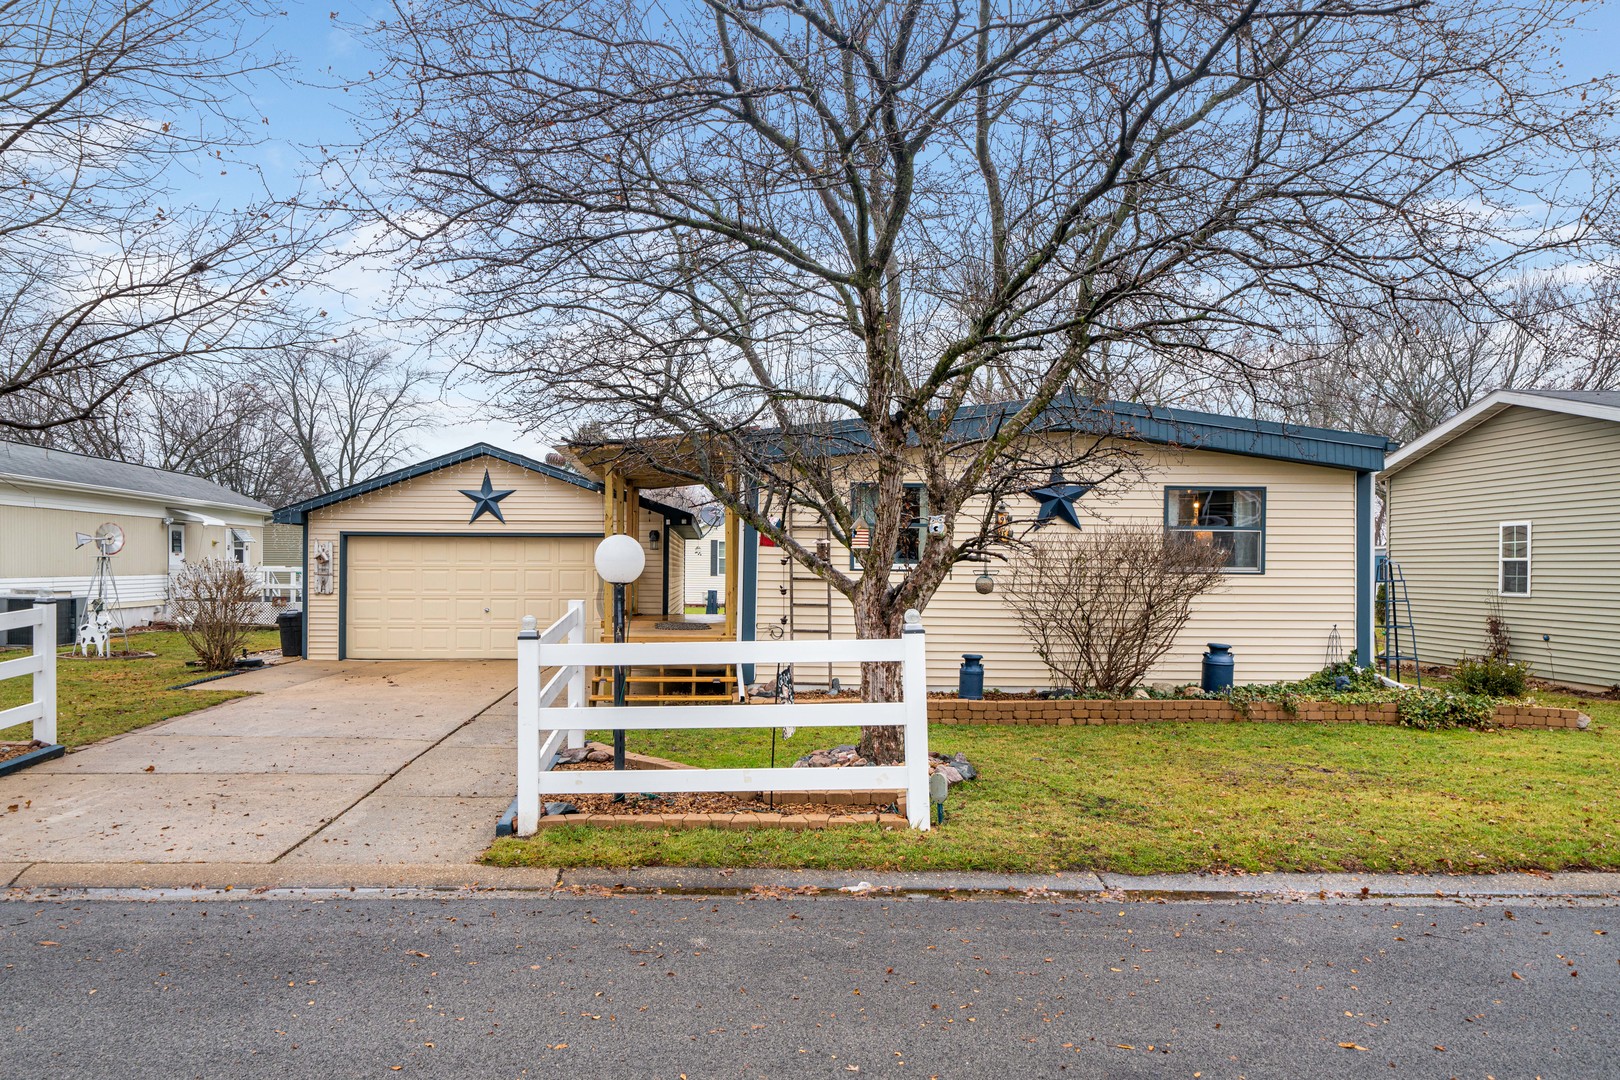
(9, 750)
(694, 802)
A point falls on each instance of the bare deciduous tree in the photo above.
(1102, 608)
(214, 602)
(854, 221)
(350, 408)
(105, 272)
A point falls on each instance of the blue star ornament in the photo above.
(1057, 500)
(486, 500)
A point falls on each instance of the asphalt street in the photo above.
(640, 986)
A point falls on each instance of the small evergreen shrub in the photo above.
(1493, 676)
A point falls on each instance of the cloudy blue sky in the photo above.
(307, 108)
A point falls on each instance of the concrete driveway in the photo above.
(348, 763)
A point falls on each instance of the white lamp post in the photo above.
(619, 561)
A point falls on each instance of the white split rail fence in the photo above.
(543, 728)
(40, 663)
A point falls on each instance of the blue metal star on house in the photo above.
(1057, 500)
(486, 501)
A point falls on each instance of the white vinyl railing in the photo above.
(40, 663)
(543, 728)
(283, 581)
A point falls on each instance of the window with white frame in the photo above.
(1513, 556)
(717, 557)
(1231, 519)
(240, 539)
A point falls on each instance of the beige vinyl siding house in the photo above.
(49, 497)
(399, 567)
(1278, 622)
(1510, 507)
(1310, 591)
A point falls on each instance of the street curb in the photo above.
(451, 880)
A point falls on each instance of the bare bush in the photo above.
(1103, 607)
(214, 603)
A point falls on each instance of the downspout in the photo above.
(303, 593)
(1364, 569)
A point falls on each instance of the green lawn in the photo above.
(1144, 799)
(96, 699)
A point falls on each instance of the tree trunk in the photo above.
(874, 618)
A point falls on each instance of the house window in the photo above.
(717, 557)
(177, 541)
(1513, 554)
(1233, 519)
(240, 539)
(863, 503)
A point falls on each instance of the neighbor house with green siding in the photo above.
(1509, 509)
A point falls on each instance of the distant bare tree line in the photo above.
(280, 427)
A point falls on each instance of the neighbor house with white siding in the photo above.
(48, 498)
(1507, 510)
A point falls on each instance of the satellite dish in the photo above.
(109, 539)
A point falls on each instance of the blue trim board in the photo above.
(304, 626)
(1364, 569)
(297, 512)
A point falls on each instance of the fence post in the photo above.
(576, 681)
(45, 675)
(914, 692)
(528, 728)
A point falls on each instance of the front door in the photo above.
(177, 547)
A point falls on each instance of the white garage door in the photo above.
(456, 597)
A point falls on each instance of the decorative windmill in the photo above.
(102, 603)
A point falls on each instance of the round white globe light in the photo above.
(620, 560)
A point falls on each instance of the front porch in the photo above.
(671, 685)
(624, 478)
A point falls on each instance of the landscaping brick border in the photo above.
(794, 822)
(859, 802)
(1088, 712)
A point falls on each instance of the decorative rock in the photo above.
(599, 755)
(845, 749)
(1139, 694)
(950, 774)
(1163, 687)
(572, 755)
(961, 765)
(553, 808)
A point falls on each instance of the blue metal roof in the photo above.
(1183, 428)
(296, 513)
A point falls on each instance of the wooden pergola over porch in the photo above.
(624, 477)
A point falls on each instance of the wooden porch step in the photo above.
(717, 699)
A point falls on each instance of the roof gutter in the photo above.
(256, 509)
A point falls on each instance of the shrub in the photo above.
(1493, 676)
(214, 603)
(1101, 608)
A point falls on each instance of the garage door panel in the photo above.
(410, 597)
